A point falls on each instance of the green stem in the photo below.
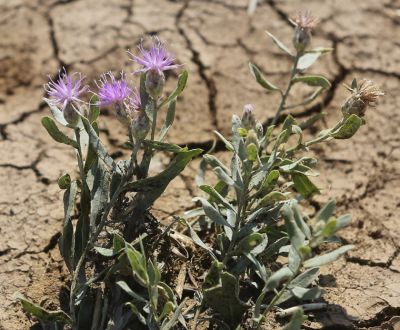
(94, 237)
(287, 91)
(273, 301)
(242, 207)
(80, 156)
(321, 138)
(75, 273)
(154, 123)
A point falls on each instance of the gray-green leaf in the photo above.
(256, 73)
(307, 60)
(327, 257)
(55, 133)
(313, 80)
(280, 44)
(349, 128)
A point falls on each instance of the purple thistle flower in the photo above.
(112, 91)
(67, 89)
(154, 59)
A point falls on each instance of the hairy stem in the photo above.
(75, 273)
(321, 138)
(242, 207)
(95, 235)
(287, 91)
(154, 123)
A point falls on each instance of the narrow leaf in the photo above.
(98, 145)
(313, 80)
(182, 80)
(213, 193)
(168, 120)
(256, 73)
(55, 133)
(307, 60)
(280, 44)
(57, 113)
(41, 313)
(212, 213)
(303, 185)
(349, 128)
(327, 257)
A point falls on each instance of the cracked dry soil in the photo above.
(214, 39)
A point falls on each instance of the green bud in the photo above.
(140, 126)
(122, 114)
(259, 130)
(71, 114)
(155, 82)
(301, 38)
(251, 138)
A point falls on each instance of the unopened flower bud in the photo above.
(362, 96)
(155, 81)
(71, 114)
(122, 113)
(248, 120)
(302, 35)
(301, 39)
(140, 126)
(251, 138)
(259, 130)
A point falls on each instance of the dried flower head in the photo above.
(67, 89)
(363, 95)
(305, 20)
(304, 23)
(111, 90)
(156, 58)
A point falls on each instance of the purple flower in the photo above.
(112, 91)
(154, 59)
(67, 89)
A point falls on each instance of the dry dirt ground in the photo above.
(215, 40)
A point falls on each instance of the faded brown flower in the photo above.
(304, 23)
(305, 20)
(366, 94)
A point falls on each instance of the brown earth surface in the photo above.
(214, 40)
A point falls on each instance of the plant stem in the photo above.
(321, 138)
(94, 237)
(273, 301)
(242, 206)
(154, 123)
(287, 91)
(79, 156)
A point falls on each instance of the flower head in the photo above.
(111, 90)
(363, 95)
(304, 24)
(67, 89)
(156, 58)
(305, 20)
